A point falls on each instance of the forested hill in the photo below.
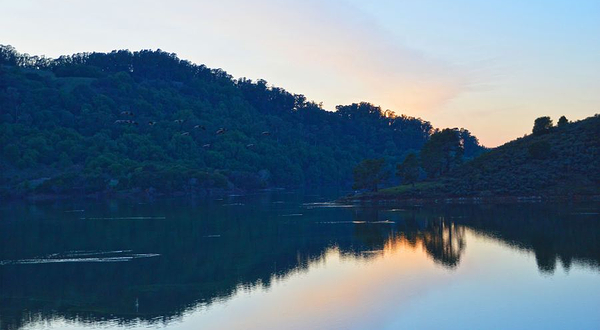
(554, 161)
(149, 121)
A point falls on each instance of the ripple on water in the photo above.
(82, 256)
(124, 218)
(326, 205)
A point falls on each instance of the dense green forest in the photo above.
(148, 121)
(561, 160)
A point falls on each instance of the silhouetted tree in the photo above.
(562, 121)
(470, 143)
(408, 170)
(369, 174)
(542, 125)
(442, 152)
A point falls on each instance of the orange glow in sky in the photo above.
(489, 66)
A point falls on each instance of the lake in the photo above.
(283, 260)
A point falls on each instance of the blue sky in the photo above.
(489, 66)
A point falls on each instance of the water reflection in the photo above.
(126, 262)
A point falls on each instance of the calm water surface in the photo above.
(294, 261)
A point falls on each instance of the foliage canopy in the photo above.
(147, 120)
(369, 174)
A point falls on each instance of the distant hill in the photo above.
(148, 121)
(563, 161)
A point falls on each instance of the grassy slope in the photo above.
(572, 167)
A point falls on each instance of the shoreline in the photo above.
(123, 195)
(141, 194)
(389, 200)
(367, 199)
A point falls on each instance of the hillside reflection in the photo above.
(118, 263)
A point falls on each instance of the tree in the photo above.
(470, 144)
(149, 108)
(562, 121)
(369, 174)
(542, 125)
(408, 171)
(442, 152)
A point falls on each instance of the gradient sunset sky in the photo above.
(489, 66)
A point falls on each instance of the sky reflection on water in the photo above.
(249, 267)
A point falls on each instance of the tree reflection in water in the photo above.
(207, 252)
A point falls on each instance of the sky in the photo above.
(490, 66)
